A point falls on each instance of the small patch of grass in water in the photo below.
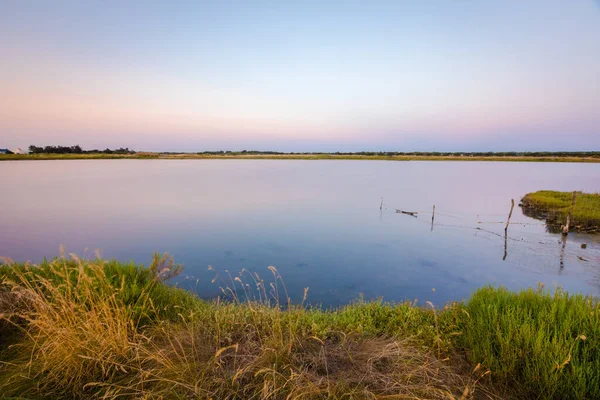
(554, 207)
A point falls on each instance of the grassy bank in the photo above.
(303, 156)
(88, 156)
(75, 328)
(554, 207)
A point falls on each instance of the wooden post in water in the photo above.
(512, 205)
(381, 205)
(569, 215)
(432, 217)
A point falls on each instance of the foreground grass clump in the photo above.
(548, 344)
(102, 329)
(92, 328)
(554, 207)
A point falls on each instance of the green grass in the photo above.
(90, 156)
(545, 343)
(94, 328)
(554, 207)
(306, 156)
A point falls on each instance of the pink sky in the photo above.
(383, 76)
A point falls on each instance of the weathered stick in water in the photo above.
(411, 213)
(512, 205)
(432, 217)
(566, 227)
(381, 205)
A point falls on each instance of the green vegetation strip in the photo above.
(82, 329)
(554, 207)
(525, 157)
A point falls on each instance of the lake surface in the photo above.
(318, 222)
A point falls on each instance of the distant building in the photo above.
(18, 151)
(5, 151)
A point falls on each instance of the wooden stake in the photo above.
(512, 205)
(432, 217)
(381, 205)
(569, 215)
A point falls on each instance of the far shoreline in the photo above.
(303, 156)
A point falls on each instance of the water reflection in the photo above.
(323, 224)
(562, 253)
(505, 245)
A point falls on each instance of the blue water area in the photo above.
(320, 223)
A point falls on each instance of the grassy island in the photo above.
(554, 207)
(72, 328)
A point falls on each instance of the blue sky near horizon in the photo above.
(301, 76)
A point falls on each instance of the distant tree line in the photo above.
(76, 150)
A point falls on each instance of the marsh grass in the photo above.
(309, 156)
(546, 343)
(88, 156)
(554, 207)
(103, 329)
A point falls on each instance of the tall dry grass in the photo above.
(73, 328)
(95, 329)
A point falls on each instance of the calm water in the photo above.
(318, 222)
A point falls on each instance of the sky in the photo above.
(394, 75)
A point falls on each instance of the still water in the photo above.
(318, 222)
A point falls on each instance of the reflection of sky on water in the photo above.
(318, 222)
